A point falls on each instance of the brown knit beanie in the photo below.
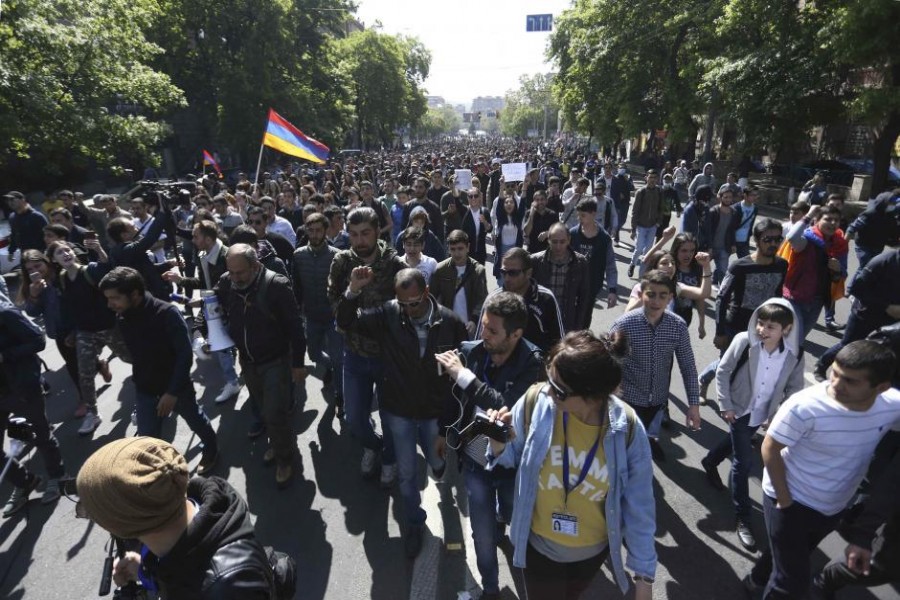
(134, 486)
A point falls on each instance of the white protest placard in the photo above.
(463, 179)
(513, 171)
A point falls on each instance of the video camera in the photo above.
(165, 194)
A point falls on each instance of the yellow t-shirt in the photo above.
(587, 501)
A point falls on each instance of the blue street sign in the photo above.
(539, 23)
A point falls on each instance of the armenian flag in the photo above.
(286, 138)
(209, 160)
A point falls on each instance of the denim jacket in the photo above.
(630, 508)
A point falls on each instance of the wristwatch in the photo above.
(644, 578)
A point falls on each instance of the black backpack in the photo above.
(284, 573)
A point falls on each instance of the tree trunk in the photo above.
(881, 153)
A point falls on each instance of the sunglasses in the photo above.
(559, 393)
(474, 195)
(771, 239)
(512, 272)
(412, 303)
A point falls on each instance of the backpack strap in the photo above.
(530, 402)
(632, 419)
(265, 280)
(742, 359)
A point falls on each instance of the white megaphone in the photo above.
(217, 337)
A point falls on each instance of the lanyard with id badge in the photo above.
(561, 520)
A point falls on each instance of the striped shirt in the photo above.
(646, 370)
(829, 446)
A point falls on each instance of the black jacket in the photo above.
(216, 270)
(218, 557)
(27, 231)
(711, 223)
(160, 345)
(20, 342)
(134, 254)
(477, 243)
(413, 388)
(444, 284)
(577, 302)
(263, 320)
(503, 386)
(879, 224)
(545, 326)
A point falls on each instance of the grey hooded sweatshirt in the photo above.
(737, 392)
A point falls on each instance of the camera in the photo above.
(496, 430)
(165, 194)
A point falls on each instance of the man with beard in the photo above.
(363, 366)
(263, 320)
(502, 365)
(538, 220)
(258, 220)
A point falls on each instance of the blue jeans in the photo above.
(150, 424)
(643, 242)
(738, 443)
(490, 496)
(225, 358)
(362, 381)
(406, 433)
(322, 337)
(808, 313)
(720, 256)
(794, 533)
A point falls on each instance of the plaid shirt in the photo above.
(646, 370)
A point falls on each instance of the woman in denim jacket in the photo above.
(562, 532)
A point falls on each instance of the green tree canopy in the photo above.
(529, 106)
(76, 83)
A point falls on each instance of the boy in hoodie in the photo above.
(758, 371)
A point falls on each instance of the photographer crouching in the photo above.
(197, 541)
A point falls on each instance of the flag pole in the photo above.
(258, 165)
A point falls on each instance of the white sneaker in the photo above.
(367, 466)
(388, 476)
(90, 423)
(228, 392)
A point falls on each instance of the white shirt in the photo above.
(208, 258)
(768, 369)
(426, 265)
(460, 306)
(829, 447)
(159, 255)
(283, 227)
(476, 216)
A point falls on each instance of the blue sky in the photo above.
(478, 47)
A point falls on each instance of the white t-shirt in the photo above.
(426, 265)
(829, 447)
(460, 306)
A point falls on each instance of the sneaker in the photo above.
(412, 545)
(269, 457)
(819, 373)
(367, 466)
(103, 369)
(388, 476)
(704, 387)
(257, 428)
(745, 535)
(90, 424)
(712, 475)
(207, 462)
(631, 271)
(19, 497)
(51, 492)
(833, 326)
(230, 391)
(283, 475)
(80, 411)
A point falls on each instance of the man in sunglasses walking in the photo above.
(411, 329)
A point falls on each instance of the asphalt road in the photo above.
(343, 531)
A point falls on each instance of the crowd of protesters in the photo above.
(375, 267)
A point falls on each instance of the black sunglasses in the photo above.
(559, 393)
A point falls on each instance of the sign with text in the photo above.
(514, 171)
(463, 179)
(539, 23)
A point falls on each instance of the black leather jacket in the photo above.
(218, 556)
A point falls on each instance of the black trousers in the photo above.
(547, 579)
